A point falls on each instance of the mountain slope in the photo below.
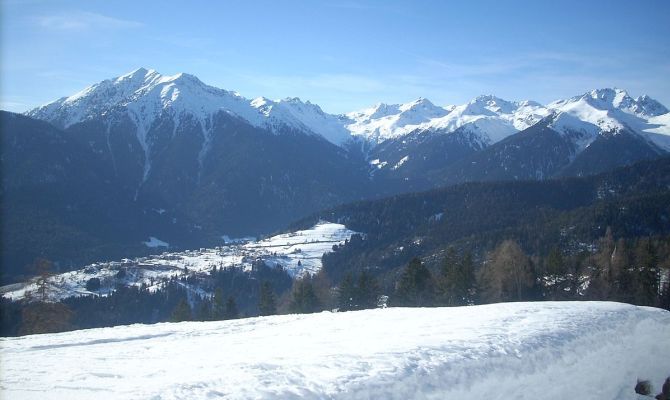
(61, 203)
(418, 146)
(201, 162)
(179, 145)
(297, 253)
(633, 201)
(549, 350)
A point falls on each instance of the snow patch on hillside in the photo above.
(297, 252)
(546, 350)
(154, 242)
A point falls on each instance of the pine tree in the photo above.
(346, 294)
(451, 291)
(646, 278)
(204, 310)
(182, 311)
(554, 262)
(467, 280)
(231, 309)
(415, 287)
(367, 293)
(553, 269)
(304, 298)
(218, 305)
(267, 304)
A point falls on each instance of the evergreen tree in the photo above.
(367, 293)
(231, 309)
(346, 296)
(182, 311)
(93, 284)
(415, 287)
(646, 278)
(204, 312)
(218, 305)
(456, 279)
(304, 298)
(43, 269)
(267, 304)
(553, 264)
(554, 270)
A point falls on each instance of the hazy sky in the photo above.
(342, 55)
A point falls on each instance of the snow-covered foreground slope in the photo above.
(587, 350)
(298, 252)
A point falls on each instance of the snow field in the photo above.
(552, 350)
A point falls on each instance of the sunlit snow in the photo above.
(297, 252)
(546, 350)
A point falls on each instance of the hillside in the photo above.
(568, 213)
(95, 174)
(587, 350)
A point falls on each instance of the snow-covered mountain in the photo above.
(490, 117)
(544, 350)
(490, 138)
(611, 111)
(389, 121)
(145, 95)
(218, 163)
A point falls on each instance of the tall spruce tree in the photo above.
(415, 287)
(304, 299)
(267, 304)
(646, 278)
(218, 305)
(182, 311)
(346, 294)
(457, 279)
(231, 311)
(367, 292)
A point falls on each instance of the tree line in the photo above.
(633, 270)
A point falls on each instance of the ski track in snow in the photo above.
(548, 350)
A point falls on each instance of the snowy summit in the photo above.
(145, 96)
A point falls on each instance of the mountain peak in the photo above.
(614, 100)
(614, 97)
(419, 104)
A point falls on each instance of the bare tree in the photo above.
(507, 275)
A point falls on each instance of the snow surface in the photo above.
(549, 350)
(154, 242)
(297, 252)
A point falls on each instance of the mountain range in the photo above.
(95, 174)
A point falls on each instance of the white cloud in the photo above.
(84, 20)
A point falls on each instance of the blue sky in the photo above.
(342, 55)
